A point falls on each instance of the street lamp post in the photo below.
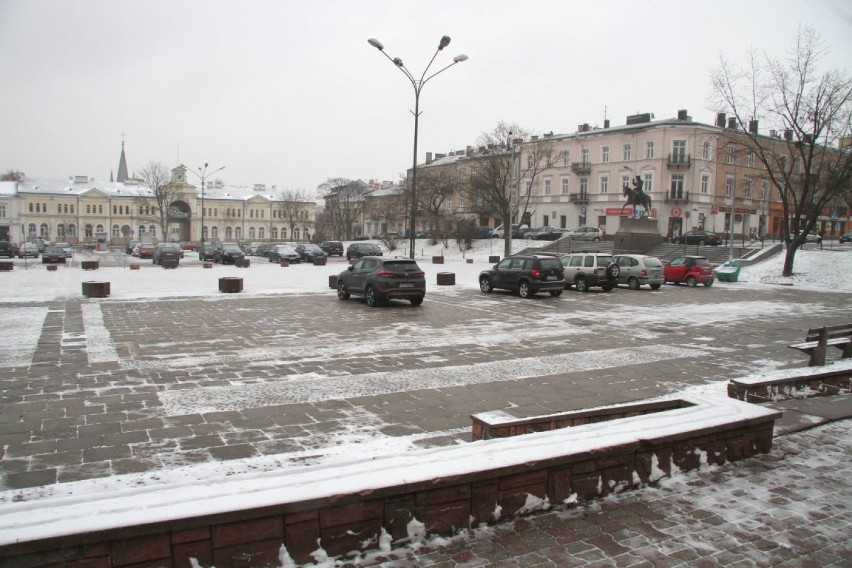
(202, 174)
(418, 86)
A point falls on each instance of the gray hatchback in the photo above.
(638, 270)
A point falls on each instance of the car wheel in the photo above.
(417, 300)
(655, 286)
(701, 243)
(691, 281)
(342, 294)
(708, 284)
(580, 283)
(596, 239)
(524, 289)
(556, 293)
(612, 271)
(633, 283)
(485, 285)
(372, 297)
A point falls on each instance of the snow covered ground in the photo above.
(829, 270)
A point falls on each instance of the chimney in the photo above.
(533, 138)
(773, 133)
(752, 126)
(720, 119)
(732, 123)
(788, 135)
(606, 123)
(469, 151)
(682, 115)
(428, 157)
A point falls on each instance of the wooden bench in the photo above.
(818, 340)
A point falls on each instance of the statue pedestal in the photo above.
(636, 236)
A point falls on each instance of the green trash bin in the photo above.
(728, 272)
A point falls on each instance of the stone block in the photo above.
(89, 265)
(96, 289)
(139, 549)
(446, 278)
(250, 530)
(230, 284)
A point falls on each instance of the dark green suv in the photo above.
(525, 275)
(357, 250)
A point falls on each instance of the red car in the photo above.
(146, 250)
(690, 269)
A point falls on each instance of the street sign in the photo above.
(714, 209)
(582, 210)
(676, 211)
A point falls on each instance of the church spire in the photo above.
(122, 166)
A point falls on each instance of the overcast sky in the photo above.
(290, 94)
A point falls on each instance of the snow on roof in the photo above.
(78, 186)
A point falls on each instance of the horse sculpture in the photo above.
(636, 196)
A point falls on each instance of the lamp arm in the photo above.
(440, 71)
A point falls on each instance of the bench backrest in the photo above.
(834, 331)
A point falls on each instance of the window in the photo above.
(649, 150)
(677, 186)
(215, 232)
(747, 188)
(260, 233)
(296, 234)
(38, 208)
(72, 230)
(604, 153)
(238, 233)
(627, 152)
(585, 155)
(625, 180)
(60, 230)
(565, 186)
(732, 155)
(729, 186)
(153, 230)
(678, 151)
(2, 211)
(750, 159)
(529, 161)
(527, 187)
(705, 151)
(88, 209)
(547, 187)
(31, 228)
(764, 190)
(115, 231)
(251, 233)
(42, 230)
(648, 185)
(566, 157)
(705, 183)
(604, 183)
(89, 231)
(584, 187)
(32, 208)
(115, 209)
(100, 209)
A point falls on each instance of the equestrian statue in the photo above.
(636, 196)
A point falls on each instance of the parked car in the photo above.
(53, 254)
(845, 238)
(166, 251)
(207, 251)
(145, 250)
(263, 249)
(228, 253)
(332, 248)
(191, 246)
(283, 252)
(8, 249)
(310, 251)
(809, 238)
(363, 238)
(499, 232)
(593, 234)
(689, 269)
(28, 249)
(66, 248)
(525, 275)
(637, 270)
(698, 238)
(357, 250)
(546, 234)
(589, 270)
(41, 244)
(128, 248)
(380, 279)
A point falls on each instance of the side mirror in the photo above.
(351, 267)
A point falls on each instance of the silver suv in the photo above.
(589, 269)
(639, 269)
(586, 234)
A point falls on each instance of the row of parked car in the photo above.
(35, 249)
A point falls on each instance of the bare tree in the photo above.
(12, 175)
(436, 186)
(156, 197)
(344, 203)
(292, 209)
(812, 108)
(509, 166)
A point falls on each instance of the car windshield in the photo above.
(312, 248)
(284, 249)
(169, 246)
(702, 262)
(231, 247)
(53, 249)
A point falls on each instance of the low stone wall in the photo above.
(785, 384)
(355, 505)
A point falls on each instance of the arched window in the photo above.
(251, 233)
(72, 230)
(115, 231)
(283, 233)
(100, 228)
(273, 233)
(43, 231)
(229, 233)
(31, 228)
(153, 230)
(261, 234)
(89, 231)
(215, 232)
(204, 233)
(296, 234)
(238, 233)
(60, 230)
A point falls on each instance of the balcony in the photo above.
(676, 198)
(581, 168)
(679, 161)
(582, 197)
